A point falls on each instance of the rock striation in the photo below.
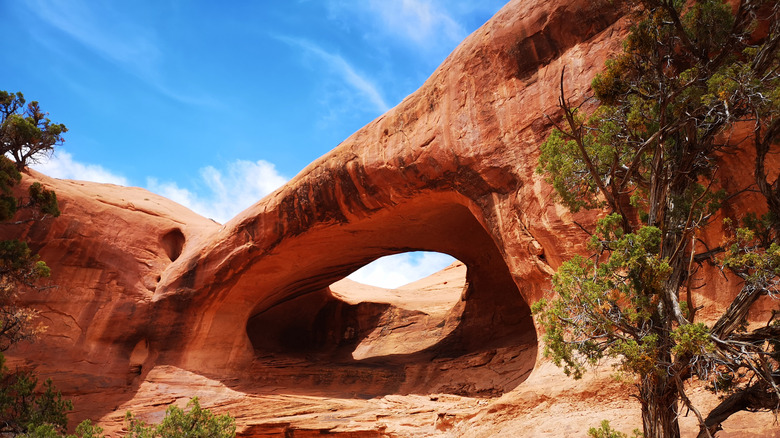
(152, 304)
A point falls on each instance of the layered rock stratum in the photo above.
(151, 304)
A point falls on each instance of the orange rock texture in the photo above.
(152, 304)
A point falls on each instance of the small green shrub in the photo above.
(197, 423)
(605, 431)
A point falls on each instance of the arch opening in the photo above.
(398, 270)
(361, 321)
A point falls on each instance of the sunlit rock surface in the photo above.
(152, 304)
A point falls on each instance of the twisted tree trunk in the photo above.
(658, 395)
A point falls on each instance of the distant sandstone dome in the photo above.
(154, 304)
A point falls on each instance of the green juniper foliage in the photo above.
(23, 408)
(648, 155)
(25, 131)
(607, 306)
(606, 431)
(19, 266)
(84, 430)
(25, 134)
(195, 423)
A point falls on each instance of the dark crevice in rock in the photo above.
(173, 243)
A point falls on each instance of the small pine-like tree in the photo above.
(19, 267)
(24, 135)
(26, 132)
(689, 71)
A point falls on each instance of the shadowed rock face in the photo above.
(155, 304)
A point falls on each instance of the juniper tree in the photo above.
(688, 72)
(26, 132)
(23, 135)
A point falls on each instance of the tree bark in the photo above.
(659, 396)
(736, 313)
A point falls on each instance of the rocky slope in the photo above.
(154, 304)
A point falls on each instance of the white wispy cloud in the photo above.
(422, 21)
(106, 32)
(222, 193)
(342, 69)
(62, 165)
(397, 270)
(225, 192)
(109, 37)
(430, 26)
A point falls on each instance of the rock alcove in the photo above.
(359, 340)
(352, 320)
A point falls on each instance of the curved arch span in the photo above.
(491, 326)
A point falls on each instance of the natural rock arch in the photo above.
(466, 141)
(494, 318)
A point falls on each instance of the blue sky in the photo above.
(216, 104)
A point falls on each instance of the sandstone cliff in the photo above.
(154, 304)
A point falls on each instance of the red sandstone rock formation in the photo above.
(154, 304)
